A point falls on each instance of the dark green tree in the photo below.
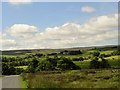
(66, 64)
(96, 53)
(33, 65)
(104, 63)
(94, 63)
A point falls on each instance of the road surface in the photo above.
(11, 81)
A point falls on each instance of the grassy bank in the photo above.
(23, 82)
(75, 79)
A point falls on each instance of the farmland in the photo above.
(86, 67)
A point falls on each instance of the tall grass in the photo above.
(41, 82)
(75, 79)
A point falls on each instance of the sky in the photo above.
(36, 25)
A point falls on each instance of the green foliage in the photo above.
(33, 65)
(56, 64)
(102, 55)
(96, 53)
(65, 64)
(39, 61)
(95, 63)
(117, 52)
(78, 59)
(104, 64)
(45, 65)
(8, 69)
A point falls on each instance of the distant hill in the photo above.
(44, 51)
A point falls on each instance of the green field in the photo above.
(24, 67)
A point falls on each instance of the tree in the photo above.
(65, 64)
(57, 64)
(102, 55)
(45, 66)
(94, 64)
(8, 69)
(104, 63)
(117, 52)
(33, 65)
(96, 53)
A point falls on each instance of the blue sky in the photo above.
(58, 25)
(51, 14)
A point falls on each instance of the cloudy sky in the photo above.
(31, 25)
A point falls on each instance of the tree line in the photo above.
(35, 63)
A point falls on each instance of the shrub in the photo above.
(116, 52)
(95, 64)
(8, 69)
(33, 65)
(65, 64)
(104, 64)
(96, 53)
(57, 64)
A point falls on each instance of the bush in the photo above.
(78, 59)
(65, 64)
(116, 52)
(95, 64)
(104, 64)
(33, 65)
(45, 66)
(96, 53)
(8, 69)
(56, 64)
(102, 55)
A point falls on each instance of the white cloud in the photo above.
(87, 9)
(6, 43)
(97, 30)
(16, 2)
(22, 30)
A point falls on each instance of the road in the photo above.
(11, 81)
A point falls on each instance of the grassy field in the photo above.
(83, 64)
(24, 67)
(75, 79)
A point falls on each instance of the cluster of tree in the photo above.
(33, 55)
(105, 48)
(72, 52)
(50, 64)
(51, 54)
(78, 59)
(97, 53)
(96, 63)
(9, 65)
(117, 52)
(8, 69)
(10, 59)
(15, 61)
(19, 63)
(35, 63)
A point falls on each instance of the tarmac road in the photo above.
(11, 81)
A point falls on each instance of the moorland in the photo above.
(78, 67)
